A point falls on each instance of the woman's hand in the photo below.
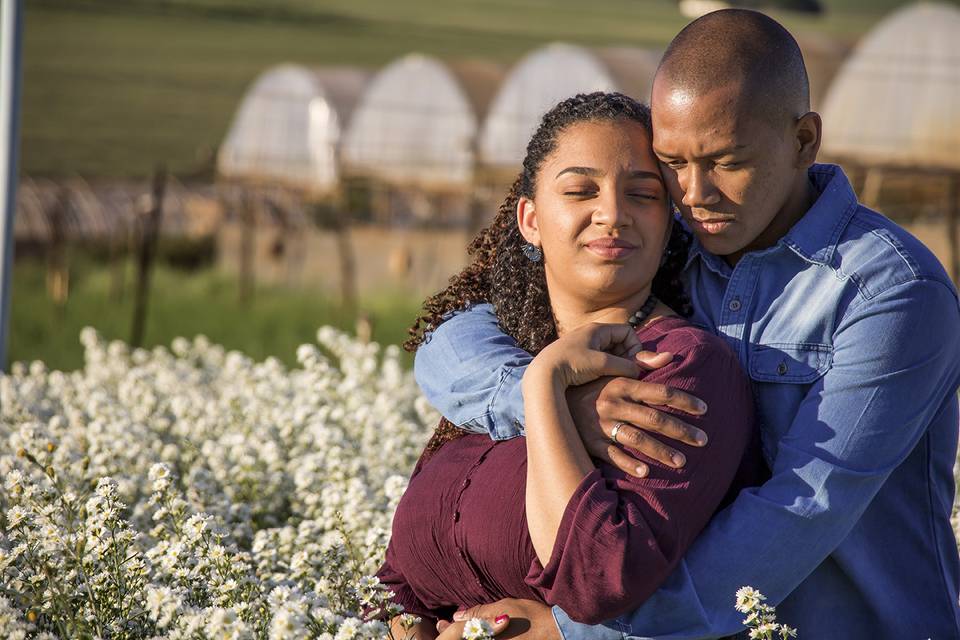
(589, 352)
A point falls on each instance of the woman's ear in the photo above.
(527, 221)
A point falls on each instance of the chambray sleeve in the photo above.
(895, 365)
(470, 370)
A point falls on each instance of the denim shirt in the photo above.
(850, 331)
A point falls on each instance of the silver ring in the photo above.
(615, 431)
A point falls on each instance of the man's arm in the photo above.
(895, 365)
(470, 371)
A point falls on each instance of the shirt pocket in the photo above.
(790, 363)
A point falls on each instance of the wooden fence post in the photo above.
(247, 247)
(149, 224)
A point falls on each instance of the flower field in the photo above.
(192, 492)
(195, 493)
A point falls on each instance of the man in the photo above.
(849, 329)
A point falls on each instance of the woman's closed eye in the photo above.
(580, 192)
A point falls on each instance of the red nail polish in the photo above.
(500, 618)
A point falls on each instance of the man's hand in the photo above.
(598, 406)
(524, 619)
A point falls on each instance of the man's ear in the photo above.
(527, 221)
(808, 134)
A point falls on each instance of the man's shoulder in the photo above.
(877, 255)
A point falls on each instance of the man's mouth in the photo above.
(713, 225)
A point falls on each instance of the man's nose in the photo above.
(698, 188)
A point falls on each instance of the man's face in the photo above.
(730, 172)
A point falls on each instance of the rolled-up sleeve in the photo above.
(620, 536)
(470, 370)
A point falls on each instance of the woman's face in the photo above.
(599, 212)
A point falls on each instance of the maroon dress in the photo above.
(460, 531)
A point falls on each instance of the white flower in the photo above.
(162, 605)
(747, 599)
(477, 629)
(16, 515)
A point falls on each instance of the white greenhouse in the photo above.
(289, 126)
(416, 124)
(893, 113)
(548, 75)
(896, 101)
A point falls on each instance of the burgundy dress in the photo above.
(460, 531)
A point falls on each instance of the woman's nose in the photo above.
(611, 210)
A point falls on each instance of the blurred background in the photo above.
(252, 170)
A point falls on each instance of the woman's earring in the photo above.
(532, 252)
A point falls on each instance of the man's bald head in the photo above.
(743, 48)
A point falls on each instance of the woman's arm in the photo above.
(556, 459)
(616, 538)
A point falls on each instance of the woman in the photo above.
(576, 268)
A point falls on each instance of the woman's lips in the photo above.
(611, 248)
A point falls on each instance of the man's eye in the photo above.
(675, 164)
(578, 193)
(644, 195)
(728, 165)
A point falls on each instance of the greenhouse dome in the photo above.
(896, 101)
(289, 126)
(417, 123)
(548, 75)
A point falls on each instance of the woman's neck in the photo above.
(573, 311)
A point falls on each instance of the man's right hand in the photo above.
(600, 405)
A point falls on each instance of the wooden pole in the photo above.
(119, 249)
(147, 251)
(247, 223)
(58, 276)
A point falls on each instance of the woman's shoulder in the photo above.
(680, 336)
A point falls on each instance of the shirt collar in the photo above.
(814, 237)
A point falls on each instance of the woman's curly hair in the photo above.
(499, 272)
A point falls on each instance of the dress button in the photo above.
(782, 368)
(456, 516)
(463, 556)
(734, 305)
(466, 483)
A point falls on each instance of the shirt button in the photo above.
(456, 516)
(782, 368)
(463, 556)
(466, 483)
(734, 305)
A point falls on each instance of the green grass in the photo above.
(184, 304)
(113, 87)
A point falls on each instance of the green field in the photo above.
(113, 87)
(184, 304)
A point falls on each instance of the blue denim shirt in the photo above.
(850, 331)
